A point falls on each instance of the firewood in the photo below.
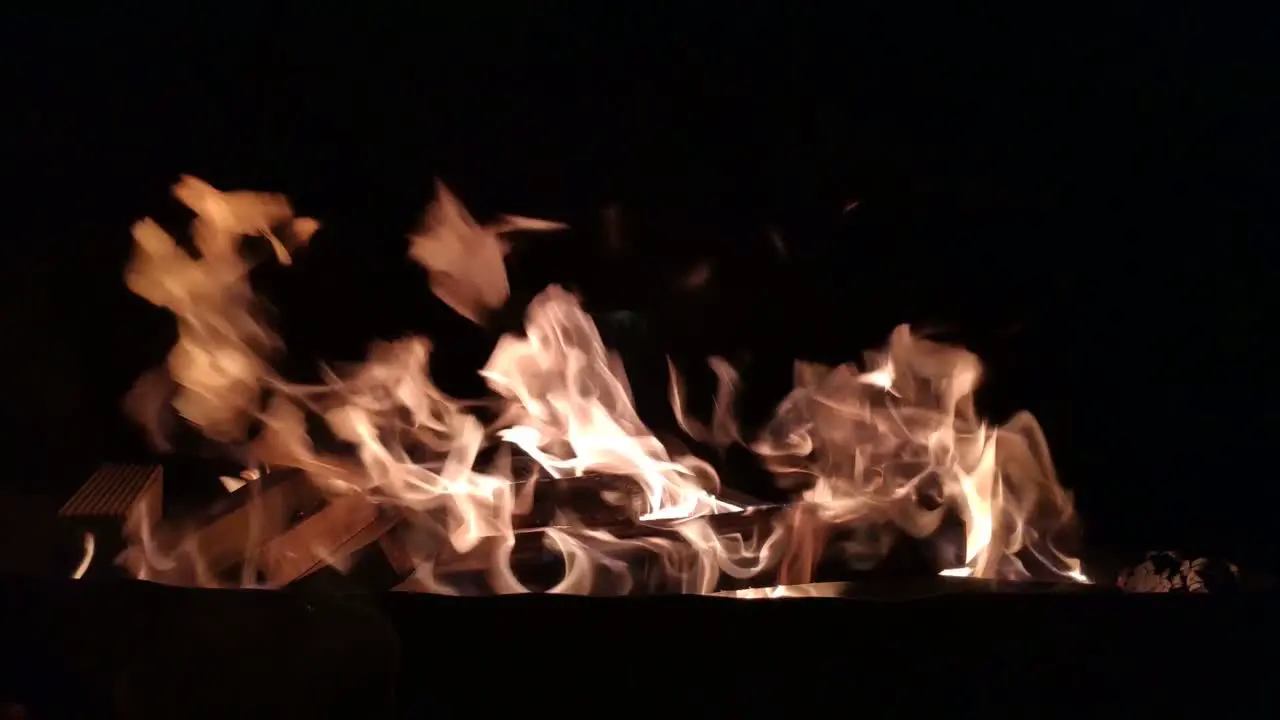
(536, 563)
(810, 551)
(331, 535)
(353, 531)
(379, 544)
(365, 569)
(245, 521)
(595, 500)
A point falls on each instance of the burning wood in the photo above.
(329, 536)
(803, 552)
(115, 491)
(282, 525)
(232, 532)
(404, 540)
(588, 501)
(890, 450)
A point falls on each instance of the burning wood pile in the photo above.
(566, 491)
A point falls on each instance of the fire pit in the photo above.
(143, 650)
(323, 566)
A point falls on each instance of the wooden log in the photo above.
(367, 569)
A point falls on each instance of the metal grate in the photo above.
(113, 490)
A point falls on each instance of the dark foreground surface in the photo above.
(130, 649)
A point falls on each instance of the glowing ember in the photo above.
(893, 448)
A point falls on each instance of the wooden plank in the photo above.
(114, 495)
(238, 527)
(347, 524)
(114, 491)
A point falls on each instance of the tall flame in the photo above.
(895, 446)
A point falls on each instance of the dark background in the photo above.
(1078, 196)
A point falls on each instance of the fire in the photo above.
(901, 443)
(87, 559)
(896, 448)
(570, 409)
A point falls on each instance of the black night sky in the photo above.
(1082, 198)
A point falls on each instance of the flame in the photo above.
(464, 259)
(895, 448)
(87, 559)
(219, 362)
(569, 411)
(901, 444)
